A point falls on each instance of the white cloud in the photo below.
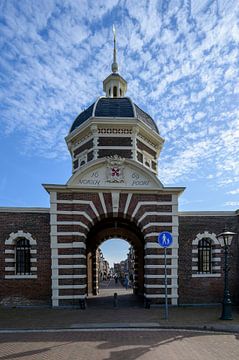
(180, 63)
(233, 192)
(232, 203)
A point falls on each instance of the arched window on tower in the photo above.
(205, 256)
(23, 257)
(115, 91)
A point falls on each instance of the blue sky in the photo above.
(180, 59)
(115, 250)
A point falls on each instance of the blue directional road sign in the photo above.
(165, 239)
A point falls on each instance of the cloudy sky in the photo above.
(180, 59)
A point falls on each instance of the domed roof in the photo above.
(114, 107)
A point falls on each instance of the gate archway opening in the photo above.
(115, 229)
(115, 263)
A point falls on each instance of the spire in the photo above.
(115, 86)
(114, 66)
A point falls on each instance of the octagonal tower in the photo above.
(114, 125)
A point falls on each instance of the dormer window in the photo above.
(115, 91)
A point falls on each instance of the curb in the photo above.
(124, 327)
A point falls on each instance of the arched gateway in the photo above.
(113, 192)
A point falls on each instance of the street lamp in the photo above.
(225, 240)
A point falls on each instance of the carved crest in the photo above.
(115, 169)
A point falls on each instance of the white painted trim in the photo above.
(73, 256)
(9, 251)
(79, 144)
(217, 267)
(83, 213)
(21, 277)
(205, 234)
(20, 233)
(102, 200)
(72, 286)
(69, 245)
(69, 277)
(160, 257)
(71, 223)
(66, 297)
(68, 233)
(155, 245)
(128, 200)
(112, 147)
(81, 202)
(206, 275)
(156, 286)
(115, 202)
(140, 203)
(159, 266)
(207, 213)
(54, 245)
(153, 223)
(24, 210)
(159, 296)
(160, 276)
(69, 267)
(156, 233)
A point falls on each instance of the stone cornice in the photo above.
(207, 213)
(24, 209)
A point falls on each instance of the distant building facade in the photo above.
(51, 256)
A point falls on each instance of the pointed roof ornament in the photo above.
(114, 66)
(115, 86)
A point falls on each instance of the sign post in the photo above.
(165, 239)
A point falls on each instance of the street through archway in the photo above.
(107, 298)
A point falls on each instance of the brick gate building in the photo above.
(49, 255)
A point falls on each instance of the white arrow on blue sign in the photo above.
(165, 239)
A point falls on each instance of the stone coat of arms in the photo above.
(115, 169)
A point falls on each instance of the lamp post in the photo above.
(225, 240)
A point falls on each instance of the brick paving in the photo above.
(120, 345)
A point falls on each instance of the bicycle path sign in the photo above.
(165, 239)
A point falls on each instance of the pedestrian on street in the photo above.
(126, 282)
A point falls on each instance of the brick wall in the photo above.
(205, 289)
(26, 291)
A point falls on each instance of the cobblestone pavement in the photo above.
(117, 345)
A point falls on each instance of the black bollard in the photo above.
(147, 303)
(115, 300)
(82, 304)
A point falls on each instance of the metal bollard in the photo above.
(115, 300)
(147, 303)
(82, 304)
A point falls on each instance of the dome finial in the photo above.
(114, 66)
